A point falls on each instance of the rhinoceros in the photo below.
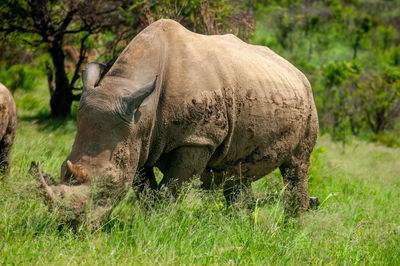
(189, 104)
(8, 126)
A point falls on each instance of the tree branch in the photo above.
(76, 31)
(33, 43)
(80, 61)
(66, 21)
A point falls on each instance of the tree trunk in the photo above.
(355, 48)
(61, 98)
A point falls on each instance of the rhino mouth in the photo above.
(69, 201)
(88, 203)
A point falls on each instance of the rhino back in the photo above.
(245, 102)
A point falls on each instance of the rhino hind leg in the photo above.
(182, 164)
(295, 177)
(295, 171)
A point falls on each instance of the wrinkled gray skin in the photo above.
(8, 126)
(188, 104)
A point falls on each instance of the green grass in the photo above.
(358, 220)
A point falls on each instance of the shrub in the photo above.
(340, 110)
(380, 99)
(19, 76)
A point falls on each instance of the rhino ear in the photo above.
(135, 100)
(91, 75)
(132, 103)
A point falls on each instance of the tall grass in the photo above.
(357, 222)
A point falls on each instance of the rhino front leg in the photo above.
(145, 187)
(145, 180)
(182, 164)
(241, 193)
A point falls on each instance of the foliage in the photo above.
(327, 39)
(202, 16)
(359, 99)
(339, 98)
(19, 76)
(380, 99)
(361, 31)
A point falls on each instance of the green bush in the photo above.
(387, 140)
(340, 111)
(379, 96)
(20, 76)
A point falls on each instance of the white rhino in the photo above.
(8, 126)
(189, 104)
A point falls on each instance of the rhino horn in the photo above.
(77, 171)
(36, 171)
(135, 100)
(91, 75)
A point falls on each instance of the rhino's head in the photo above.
(106, 152)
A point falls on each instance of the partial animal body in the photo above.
(192, 104)
(8, 126)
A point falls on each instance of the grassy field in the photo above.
(358, 220)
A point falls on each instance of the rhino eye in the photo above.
(137, 116)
